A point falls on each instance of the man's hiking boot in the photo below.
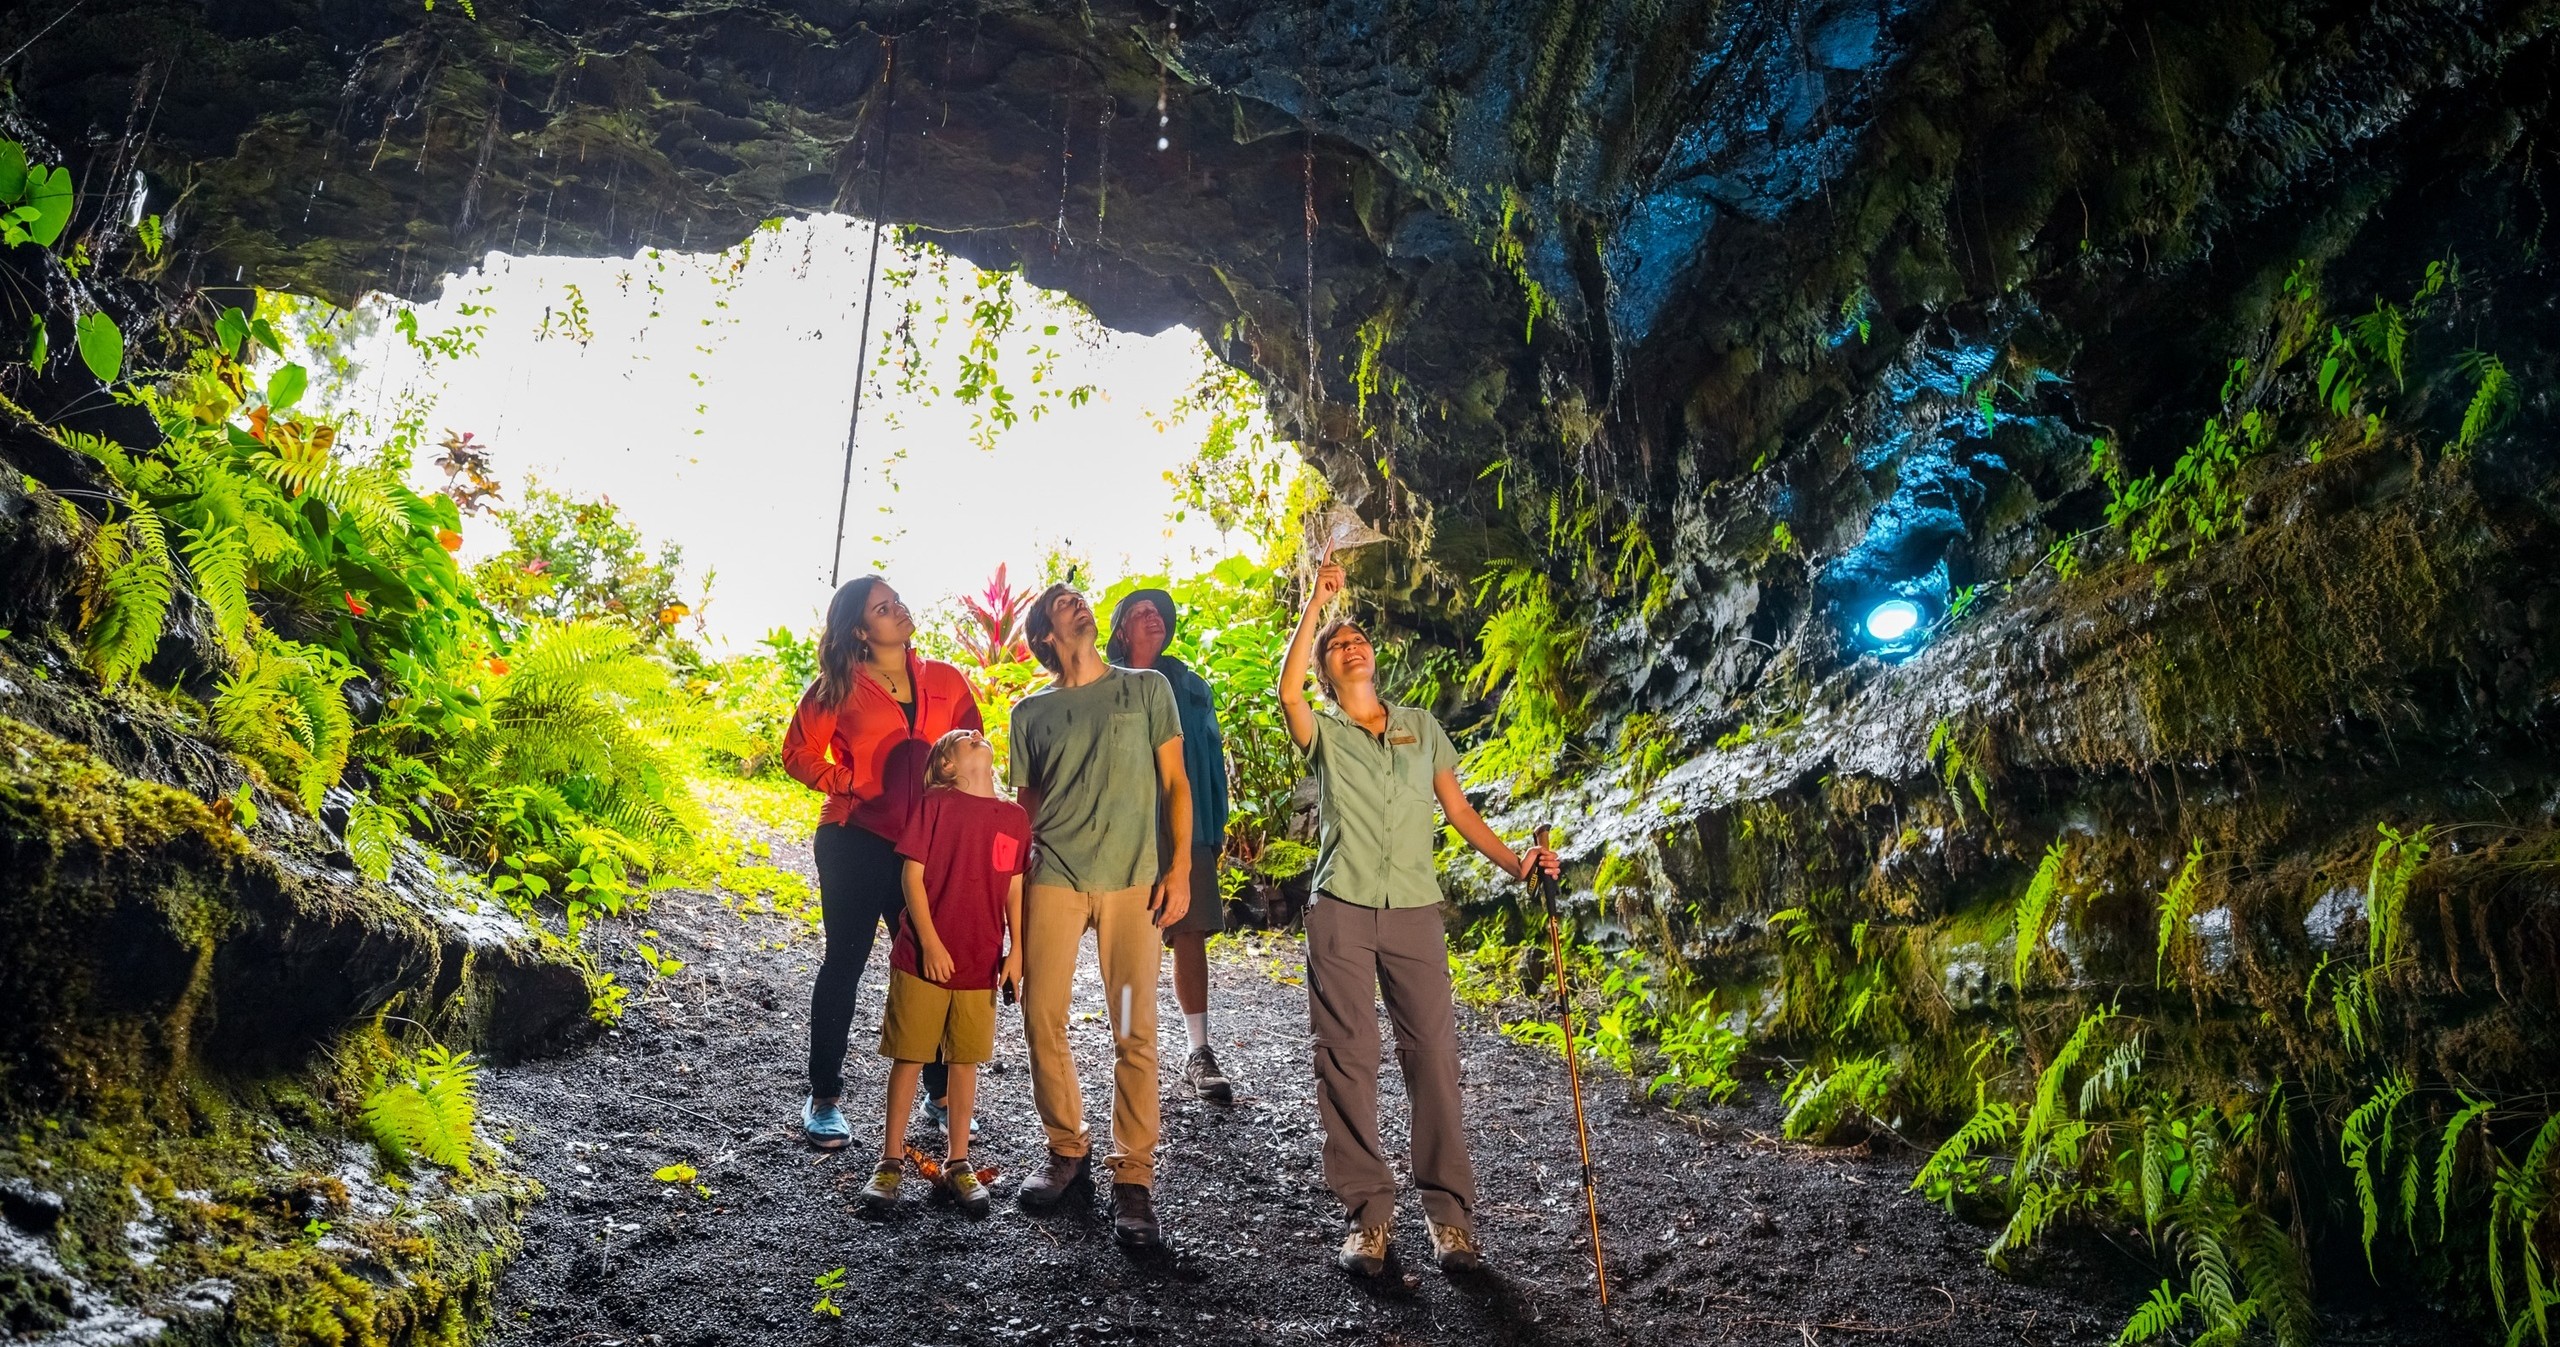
(1201, 1073)
(824, 1125)
(1454, 1246)
(960, 1180)
(1133, 1217)
(1364, 1251)
(1043, 1190)
(881, 1194)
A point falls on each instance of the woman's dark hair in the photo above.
(1324, 646)
(842, 646)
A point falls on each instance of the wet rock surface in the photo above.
(1716, 1233)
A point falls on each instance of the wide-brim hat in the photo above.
(1162, 601)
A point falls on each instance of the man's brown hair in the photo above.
(1038, 632)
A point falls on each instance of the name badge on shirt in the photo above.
(1402, 737)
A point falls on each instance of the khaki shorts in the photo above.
(924, 1019)
(1207, 913)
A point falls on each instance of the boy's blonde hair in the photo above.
(939, 771)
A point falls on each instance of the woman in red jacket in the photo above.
(861, 736)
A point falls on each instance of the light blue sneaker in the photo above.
(938, 1114)
(824, 1125)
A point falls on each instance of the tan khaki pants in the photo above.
(1130, 951)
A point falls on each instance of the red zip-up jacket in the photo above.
(863, 754)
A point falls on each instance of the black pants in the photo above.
(857, 890)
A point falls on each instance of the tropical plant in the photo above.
(988, 630)
(569, 559)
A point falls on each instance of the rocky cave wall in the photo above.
(1823, 302)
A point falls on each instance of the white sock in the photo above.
(1198, 1027)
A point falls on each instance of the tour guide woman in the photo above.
(1375, 926)
(861, 736)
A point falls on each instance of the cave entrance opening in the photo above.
(706, 396)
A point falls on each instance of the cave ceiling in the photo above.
(1626, 251)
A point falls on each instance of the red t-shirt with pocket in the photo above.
(970, 846)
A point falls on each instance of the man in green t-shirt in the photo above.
(1096, 759)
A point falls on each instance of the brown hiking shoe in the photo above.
(1364, 1251)
(1043, 1190)
(1455, 1248)
(1201, 1073)
(1133, 1217)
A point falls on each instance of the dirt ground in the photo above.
(1716, 1235)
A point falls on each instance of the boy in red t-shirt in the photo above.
(965, 852)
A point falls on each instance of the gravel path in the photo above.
(1715, 1235)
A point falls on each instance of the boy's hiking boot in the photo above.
(1201, 1073)
(881, 1194)
(960, 1180)
(1043, 1190)
(1133, 1217)
(1364, 1251)
(824, 1125)
(1454, 1246)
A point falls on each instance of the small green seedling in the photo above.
(828, 1283)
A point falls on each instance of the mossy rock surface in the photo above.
(197, 1011)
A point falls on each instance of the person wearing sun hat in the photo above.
(1142, 625)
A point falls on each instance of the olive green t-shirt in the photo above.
(1377, 819)
(1090, 755)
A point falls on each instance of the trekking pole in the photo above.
(1547, 889)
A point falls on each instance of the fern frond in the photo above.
(2178, 906)
(2396, 859)
(218, 561)
(2035, 912)
(131, 601)
(1991, 1123)
(2365, 1144)
(2162, 1312)
(2048, 1104)
(2448, 1153)
(2119, 1068)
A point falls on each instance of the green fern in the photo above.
(2035, 912)
(1991, 1124)
(284, 710)
(422, 1108)
(2165, 1310)
(134, 579)
(2178, 908)
(2047, 1110)
(2448, 1153)
(1818, 1101)
(2396, 859)
(2365, 1144)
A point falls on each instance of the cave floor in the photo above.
(1714, 1234)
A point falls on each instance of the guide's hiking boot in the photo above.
(1201, 1073)
(881, 1193)
(1042, 1190)
(1133, 1217)
(960, 1180)
(1364, 1251)
(824, 1125)
(1455, 1248)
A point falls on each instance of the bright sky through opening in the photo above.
(707, 397)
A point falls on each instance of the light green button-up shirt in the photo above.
(1376, 817)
